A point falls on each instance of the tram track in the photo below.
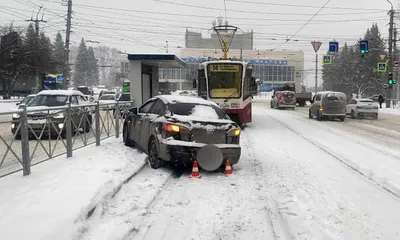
(384, 185)
(332, 130)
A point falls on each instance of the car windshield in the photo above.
(48, 101)
(366, 100)
(27, 99)
(224, 80)
(107, 97)
(197, 110)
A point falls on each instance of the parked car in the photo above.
(328, 105)
(38, 120)
(176, 128)
(283, 99)
(27, 99)
(107, 101)
(364, 107)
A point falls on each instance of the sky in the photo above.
(135, 26)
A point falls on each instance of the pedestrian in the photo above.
(380, 100)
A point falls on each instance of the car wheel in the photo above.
(310, 116)
(125, 135)
(319, 117)
(375, 117)
(352, 114)
(342, 119)
(271, 105)
(154, 161)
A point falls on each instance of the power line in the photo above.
(254, 12)
(303, 25)
(304, 6)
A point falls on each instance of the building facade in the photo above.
(272, 68)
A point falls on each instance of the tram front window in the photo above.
(224, 80)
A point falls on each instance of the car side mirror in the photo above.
(312, 101)
(194, 83)
(134, 110)
(17, 104)
(273, 96)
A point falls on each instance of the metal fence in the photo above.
(29, 136)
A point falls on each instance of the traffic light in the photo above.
(363, 47)
(390, 79)
(261, 83)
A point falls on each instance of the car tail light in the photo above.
(176, 131)
(233, 136)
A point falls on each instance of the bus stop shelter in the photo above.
(143, 74)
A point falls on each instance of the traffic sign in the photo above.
(316, 45)
(396, 63)
(327, 59)
(59, 78)
(381, 67)
(333, 46)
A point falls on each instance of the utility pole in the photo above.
(37, 21)
(390, 56)
(396, 71)
(66, 71)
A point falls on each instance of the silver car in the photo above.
(328, 105)
(176, 128)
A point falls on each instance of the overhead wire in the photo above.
(301, 28)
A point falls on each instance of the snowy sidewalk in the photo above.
(46, 204)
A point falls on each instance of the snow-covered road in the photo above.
(297, 179)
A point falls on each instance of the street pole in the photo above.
(66, 50)
(316, 73)
(316, 46)
(36, 21)
(390, 55)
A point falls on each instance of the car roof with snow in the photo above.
(61, 92)
(184, 99)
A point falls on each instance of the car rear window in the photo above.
(288, 94)
(335, 97)
(197, 110)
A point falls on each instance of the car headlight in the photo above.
(15, 115)
(234, 132)
(59, 115)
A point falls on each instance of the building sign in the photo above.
(248, 60)
(224, 68)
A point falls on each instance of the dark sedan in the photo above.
(179, 128)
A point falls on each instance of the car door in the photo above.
(316, 104)
(146, 128)
(352, 103)
(137, 121)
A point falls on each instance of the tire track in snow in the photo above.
(385, 185)
(348, 137)
(284, 232)
(120, 213)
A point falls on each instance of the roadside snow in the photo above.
(48, 203)
(395, 110)
(8, 106)
(314, 195)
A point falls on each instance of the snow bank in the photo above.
(7, 106)
(393, 110)
(48, 203)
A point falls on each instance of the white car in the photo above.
(364, 107)
(107, 101)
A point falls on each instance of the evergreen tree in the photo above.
(81, 65)
(93, 68)
(59, 53)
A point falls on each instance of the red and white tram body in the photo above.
(229, 84)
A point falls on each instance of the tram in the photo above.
(230, 84)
